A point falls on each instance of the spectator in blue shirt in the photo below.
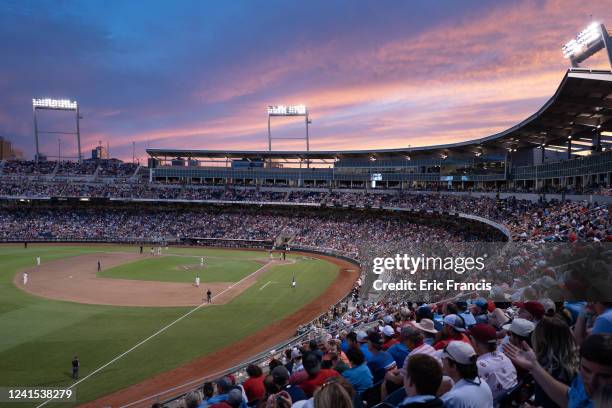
(603, 322)
(463, 311)
(359, 374)
(362, 340)
(224, 386)
(400, 350)
(381, 361)
(594, 376)
(601, 312)
(481, 311)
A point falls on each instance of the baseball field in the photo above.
(68, 308)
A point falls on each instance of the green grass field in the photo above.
(181, 268)
(39, 337)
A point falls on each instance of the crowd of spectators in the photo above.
(105, 167)
(542, 221)
(136, 224)
(456, 353)
(25, 167)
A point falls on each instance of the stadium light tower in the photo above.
(291, 110)
(589, 41)
(56, 104)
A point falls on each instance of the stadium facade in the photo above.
(566, 143)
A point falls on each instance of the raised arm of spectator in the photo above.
(526, 359)
(580, 328)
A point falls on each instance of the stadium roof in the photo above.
(581, 103)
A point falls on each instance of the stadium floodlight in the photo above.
(48, 103)
(56, 104)
(291, 110)
(288, 110)
(589, 41)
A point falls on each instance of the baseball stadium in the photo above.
(269, 278)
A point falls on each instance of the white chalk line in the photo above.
(266, 284)
(204, 303)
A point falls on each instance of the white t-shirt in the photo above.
(498, 371)
(469, 394)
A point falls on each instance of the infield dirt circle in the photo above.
(74, 279)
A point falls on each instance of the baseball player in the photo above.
(25, 278)
(38, 261)
(208, 296)
(293, 282)
(197, 282)
(152, 251)
(202, 262)
(99, 266)
(75, 368)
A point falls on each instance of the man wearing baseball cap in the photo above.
(519, 331)
(532, 311)
(362, 339)
(389, 337)
(412, 339)
(481, 309)
(469, 391)
(493, 366)
(280, 377)
(465, 314)
(381, 361)
(453, 330)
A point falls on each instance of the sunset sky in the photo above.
(200, 74)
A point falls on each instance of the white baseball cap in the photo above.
(520, 327)
(455, 321)
(460, 352)
(362, 336)
(388, 331)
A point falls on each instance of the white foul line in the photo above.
(266, 284)
(155, 334)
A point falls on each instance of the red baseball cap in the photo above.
(484, 333)
(536, 309)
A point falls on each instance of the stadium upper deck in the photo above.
(575, 122)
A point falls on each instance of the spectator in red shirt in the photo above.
(453, 330)
(389, 337)
(316, 374)
(254, 385)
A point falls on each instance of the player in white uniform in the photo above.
(38, 260)
(197, 282)
(25, 278)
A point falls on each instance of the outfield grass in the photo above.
(39, 337)
(181, 268)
